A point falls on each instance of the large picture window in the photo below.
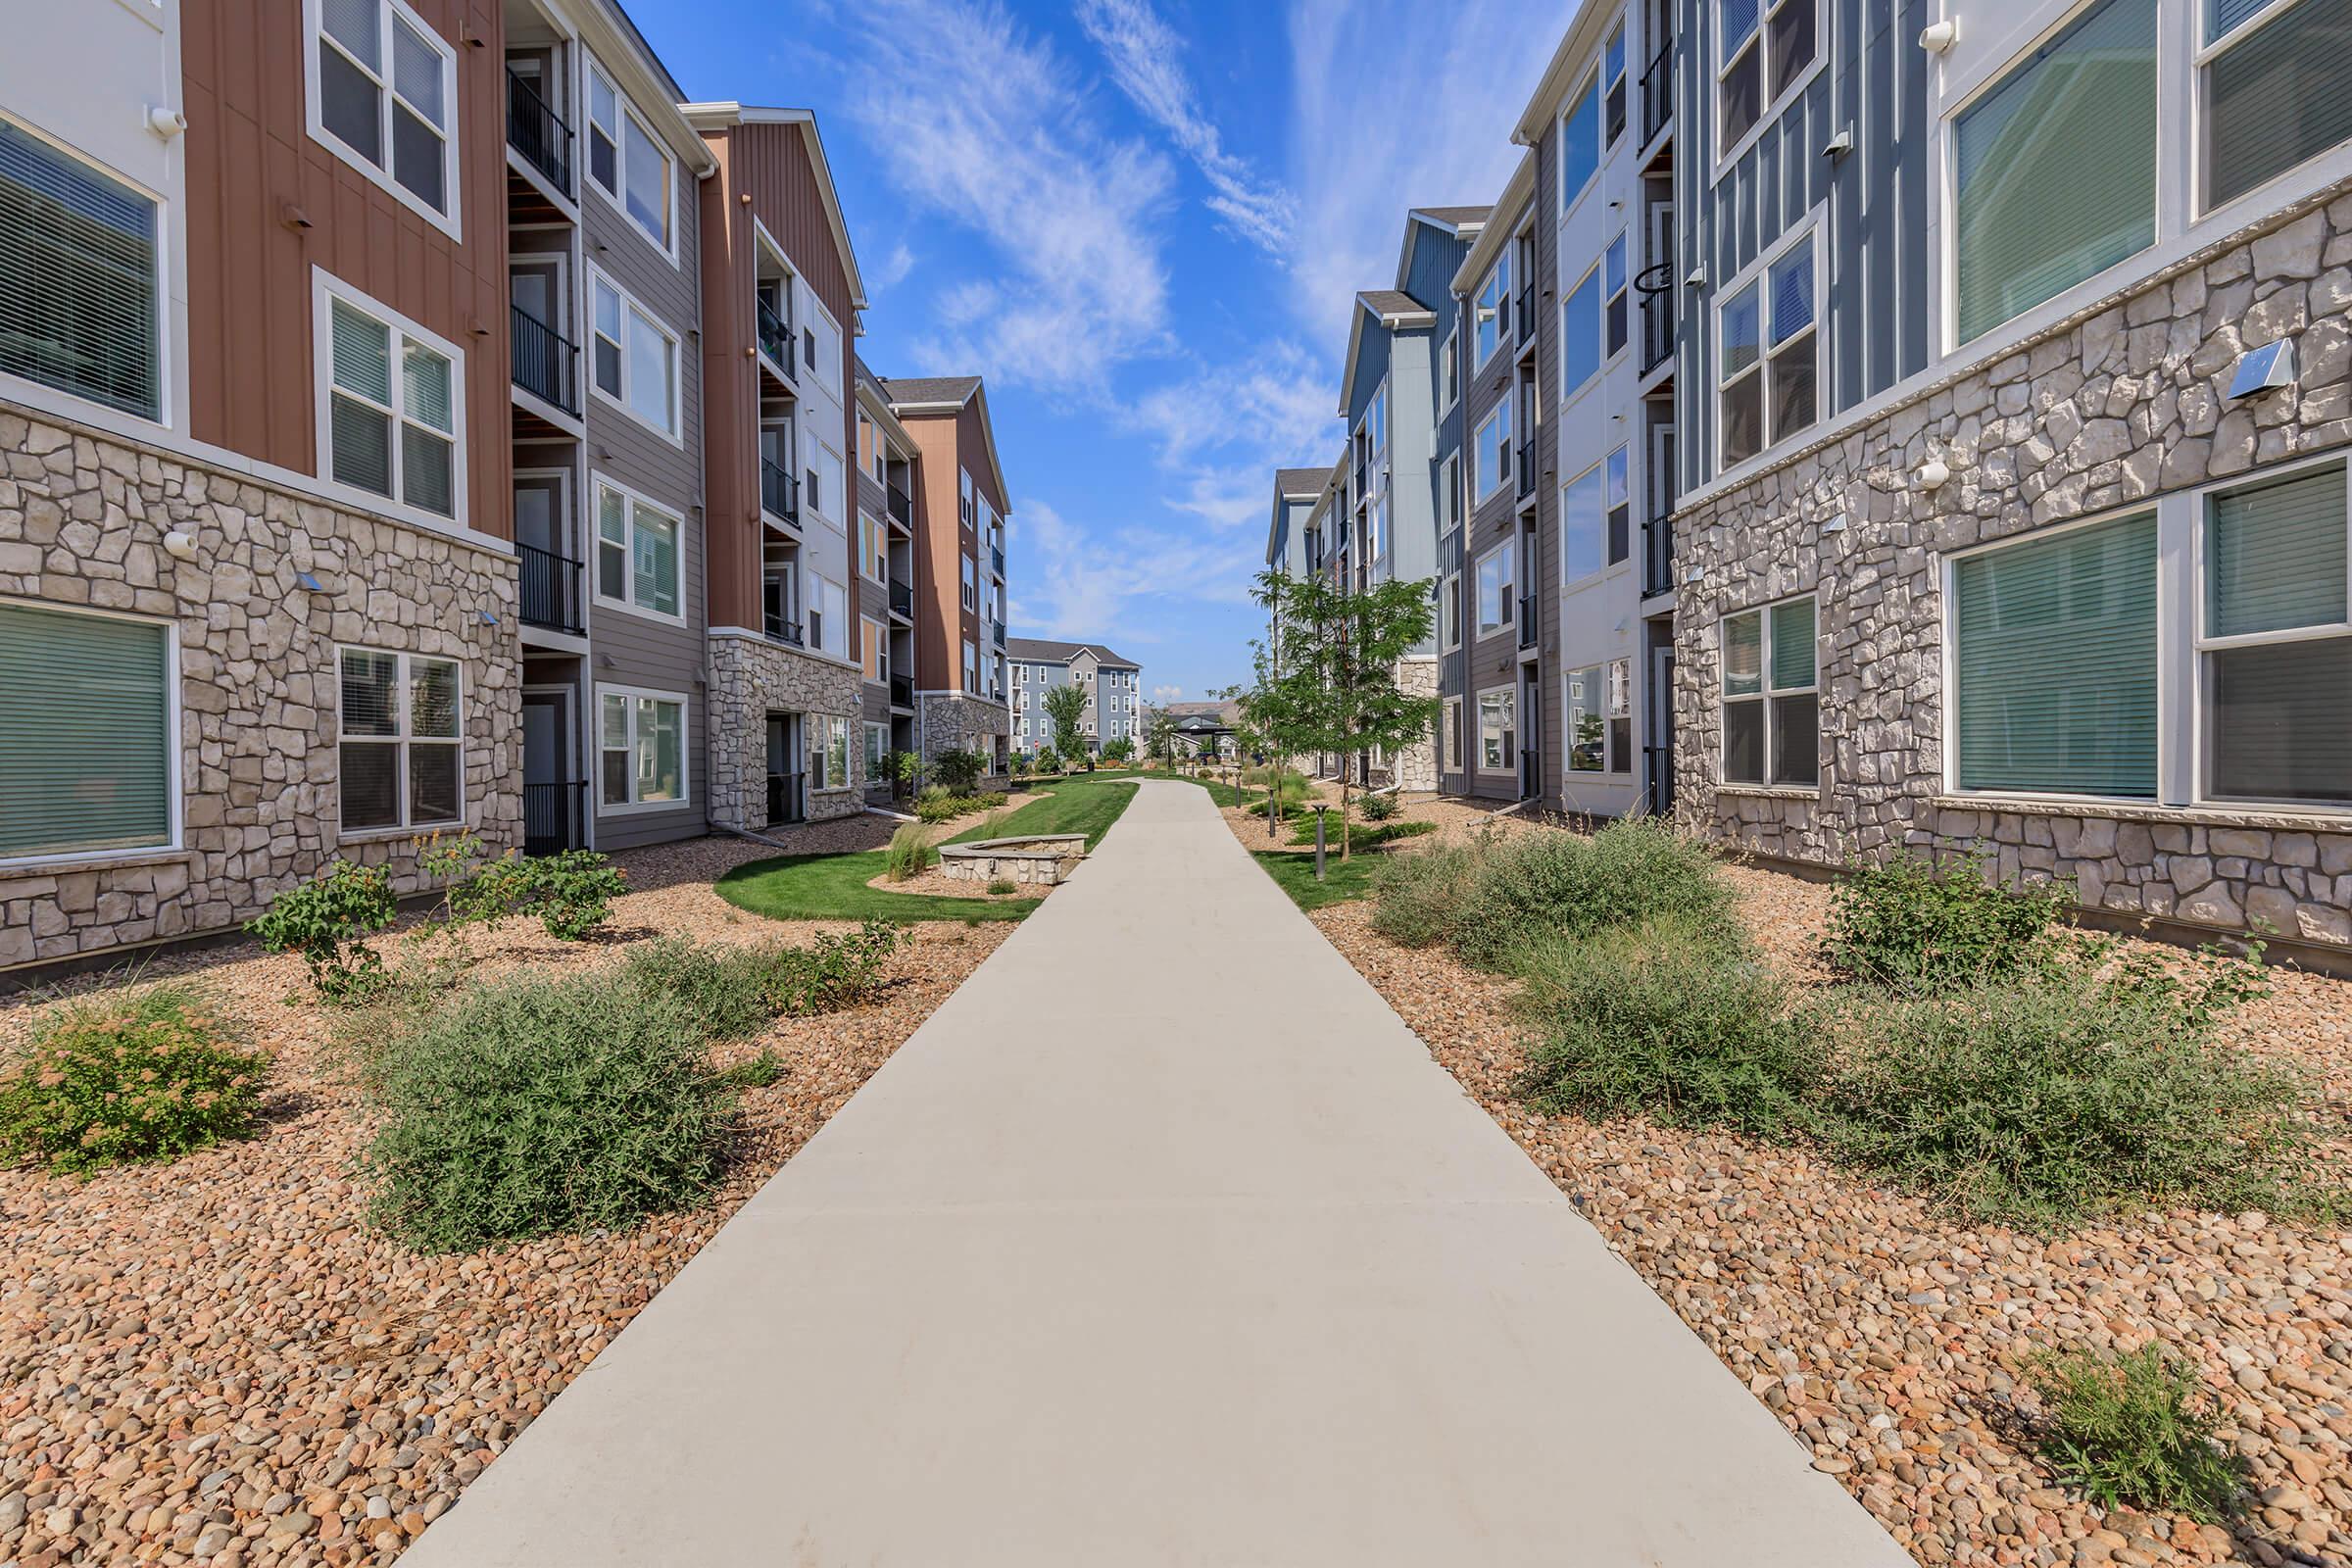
(81, 300)
(1770, 700)
(1494, 455)
(384, 94)
(2277, 88)
(2276, 641)
(402, 741)
(1497, 589)
(1497, 730)
(1491, 312)
(626, 161)
(88, 762)
(1583, 502)
(1580, 141)
(1766, 45)
(636, 551)
(1771, 348)
(635, 358)
(828, 753)
(2090, 592)
(1580, 333)
(391, 424)
(642, 748)
(2055, 167)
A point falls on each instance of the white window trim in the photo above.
(1499, 412)
(406, 825)
(592, 536)
(325, 290)
(1774, 106)
(881, 536)
(596, 781)
(827, 370)
(175, 845)
(1571, 199)
(833, 517)
(616, 199)
(869, 635)
(629, 302)
(1508, 608)
(1448, 360)
(1500, 267)
(1608, 566)
(453, 164)
(1614, 767)
(1451, 588)
(1623, 239)
(1812, 228)
(817, 731)
(812, 585)
(1601, 358)
(1766, 691)
(1477, 739)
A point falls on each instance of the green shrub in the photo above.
(572, 893)
(1900, 923)
(1121, 749)
(144, 1077)
(958, 771)
(499, 889)
(533, 1106)
(2073, 1093)
(328, 922)
(1048, 762)
(910, 854)
(1674, 1019)
(2135, 1430)
(1003, 886)
(837, 970)
(754, 1072)
(725, 989)
(1362, 838)
(1416, 898)
(1379, 808)
(1635, 869)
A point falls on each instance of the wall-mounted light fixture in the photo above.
(1938, 36)
(1933, 473)
(180, 546)
(167, 122)
(2263, 370)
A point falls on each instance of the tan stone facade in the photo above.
(83, 522)
(2122, 404)
(751, 678)
(947, 721)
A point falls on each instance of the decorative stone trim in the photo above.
(1045, 858)
(750, 678)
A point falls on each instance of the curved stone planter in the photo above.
(1043, 859)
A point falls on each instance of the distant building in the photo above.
(1113, 689)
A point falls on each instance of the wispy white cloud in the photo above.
(893, 270)
(1147, 61)
(979, 121)
(1167, 693)
(1095, 582)
(1222, 430)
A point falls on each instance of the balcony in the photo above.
(996, 561)
(553, 817)
(901, 507)
(538, 132)
(1527, 467)
(779, 492)
(902, 598)
(551, 590)
(1657, 556)
(781, 630)
(1529, 622)
(546, 362)
(1657, 285)
(1657, 92)
(996, 634)
(902, 691)
(1526, 318)
(775, 337)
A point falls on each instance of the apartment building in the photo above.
(303, 556)
(1114, 687)
(2016, 390)
(886, 458)
(960, 688)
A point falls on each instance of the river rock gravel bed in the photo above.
(215, 1362)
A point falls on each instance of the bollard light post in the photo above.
(1320, 809)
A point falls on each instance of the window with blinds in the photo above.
(2056, 167)
(2277, 93)
(386, 84)
(87, 753)
(1769, 355)
(2277, 641)
(1771, 696)
(2091, 592)
(401, 737)
(80, 296)
(391, 423)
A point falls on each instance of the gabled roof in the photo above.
(1046, 650)
(1502, 217)
(1293, 484)
(1456, 223)
(725, 114)
(876, 403)
(948, 393)
(1388, 307)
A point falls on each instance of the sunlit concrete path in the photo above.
(1163, 1242)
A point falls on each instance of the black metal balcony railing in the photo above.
(902, 691)
(1531, 774)
(551, 590)
(1657, 555)
(1657, 92)
(782, 630)
(1527, 315)
(553, 816)
(996, 634)
(538, 132)
(1527, 467)
(1657, 318)
(786, 799)
(996, 559)
(779, 491)
(902, 597)
(1529, 624)
(546, 362)
(901, 507)
(775, 337)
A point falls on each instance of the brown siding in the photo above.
(940, 624)
(250, 156)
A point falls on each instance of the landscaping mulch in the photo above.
(1888, 1337)
(215, 1362)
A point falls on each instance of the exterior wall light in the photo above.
(1938, 36)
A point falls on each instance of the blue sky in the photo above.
(1143, 222)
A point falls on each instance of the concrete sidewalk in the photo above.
(1163, 1242)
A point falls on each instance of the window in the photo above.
(89, 754)
(1580, 141)
(80, 297)
(2278, 90)
(642, 748)
(399, 742)
(389, 416)
(828, 484)
(873, 548)
(636, 551)
(1497, 730)
(1580, 333)
(1376, 528)
(873, 656)
(1584, 504)
(1450, 612)
(971, 666)
(1771, 712)
(1491, 312)
(963, 505)
(1494, 453)
(1612, 78)
(2276, 641)
(1616, 310)
(1621, 716)
(1767, 44)
(1449, 372)
(635, 358)
(829, 753)
(1769, 351)
(1497, 595)
(1451, 727)
(626, 161)
(824, 347)
(384, 90)
(2091, 591)
(1621, 506)
(1588, 723)
(1449, 493)
(828, 616)
(971, 590)
(2055, 167)
(877, 752)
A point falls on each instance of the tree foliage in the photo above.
(1066, 711)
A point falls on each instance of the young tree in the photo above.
(1335, 690)
(1066, 711)
(1121, 749)
(1160, 737)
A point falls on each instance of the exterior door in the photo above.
(552, 798)
(1657, 750)
(787, 784)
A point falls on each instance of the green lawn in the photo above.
(1363, 836)
(833, 887)
(1294, 874)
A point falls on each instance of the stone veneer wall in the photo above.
(750, 678)
(1416, 767)
(82, 520)
(945, 721)
(2117, 404)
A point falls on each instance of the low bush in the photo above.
(2075, 1092)
(1635, 869)
(1906, 924)
(1365, 838)
(958, 772)
(936, 805)
(910, 854)
(839, 969)
(723, 989)
(754, 1072)
(1003, 886)
(572, 893)
(531, 1107)
(146, 1077)
(1673, 1019)
(2135, 1430)
(328, 922)
(1416, 898)
(1379, 808)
